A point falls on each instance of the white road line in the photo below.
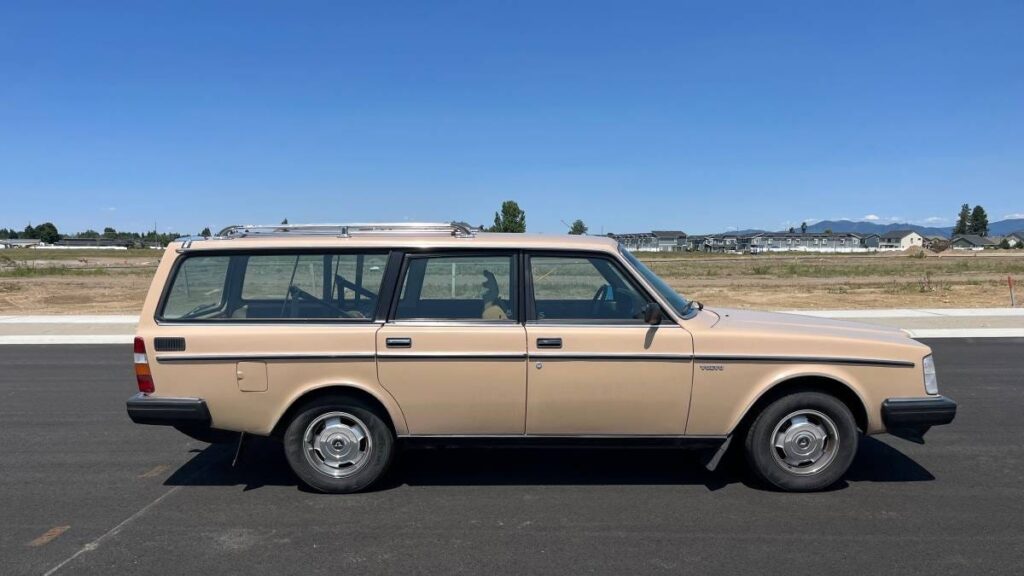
(37, 339)
(966, 332)
(70, 319)
(912, 313)
(113, 531)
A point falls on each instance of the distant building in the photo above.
(90, 244)
(656, 241)
(20, 243)
(1015, 239)
(894, 240)
(802, 242)
(971, 242)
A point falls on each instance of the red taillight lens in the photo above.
(142, 374)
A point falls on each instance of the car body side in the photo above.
(718, 364)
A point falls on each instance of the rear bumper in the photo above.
(143, 409)
(910, 418)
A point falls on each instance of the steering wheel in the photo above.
(299, 295)
(599, 296)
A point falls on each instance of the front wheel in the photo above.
(338, 445)
(802, 442)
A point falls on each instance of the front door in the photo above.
(453, 353)
(595, 367)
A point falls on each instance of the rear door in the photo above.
(453, 353)
(595, 367)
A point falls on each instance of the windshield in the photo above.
(673, 298)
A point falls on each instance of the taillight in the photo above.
(142, 374)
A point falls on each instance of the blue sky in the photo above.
(630, 115)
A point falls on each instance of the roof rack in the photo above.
(456, 229)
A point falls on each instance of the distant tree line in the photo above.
(47, 232)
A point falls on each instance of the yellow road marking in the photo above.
(155, 471)
(49, 536)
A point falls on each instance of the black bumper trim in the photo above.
(143, 409)
(911, 418)
(902, 412)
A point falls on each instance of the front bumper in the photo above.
(911, 418)
(144, 409)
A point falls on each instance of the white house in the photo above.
(894, 240)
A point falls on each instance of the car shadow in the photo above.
(262, 463)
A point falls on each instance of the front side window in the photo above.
(674, 299)
(277, 286)
(458, 288)
(583, 289)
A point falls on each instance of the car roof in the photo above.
(419, 241)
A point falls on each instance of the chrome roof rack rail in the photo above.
(347, 230)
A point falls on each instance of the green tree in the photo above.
(803, 227)
(89, 234)
(109, 233)
(828, 230)
(578, 228)
(979, 221)
(206, 232)
(791, 230)
(1004, 244)
(510, 219)
(47, 233)
(963, 221)
(283, 222)
(30, 233)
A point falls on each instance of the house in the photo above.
(1015, 239)
(655, 241)
(670, 240)
(802, 242)
(894, 240)
(971, 242)
(933, 240)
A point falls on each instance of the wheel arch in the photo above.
(824, 383)
(392, 414)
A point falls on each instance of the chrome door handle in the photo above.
(549, 342)
(398, 342)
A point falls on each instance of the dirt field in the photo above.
(102, 282)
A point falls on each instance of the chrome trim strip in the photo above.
(447, 356)
(570, 436)
(535, 325)
(195, 358)
(802, 360)
(600, 357)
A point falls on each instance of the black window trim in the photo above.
(516, 288)
(233, 283)
(530, 316)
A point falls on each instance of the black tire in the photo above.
(380, 445)
(768, 463)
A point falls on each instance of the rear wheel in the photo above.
(802, 442)
(338, 445)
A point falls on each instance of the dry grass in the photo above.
(55, 282)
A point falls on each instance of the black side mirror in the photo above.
(652, 313)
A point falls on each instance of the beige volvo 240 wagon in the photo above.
(344, 340)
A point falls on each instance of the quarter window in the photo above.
(279, 286)
(458, 288)
(583, 289)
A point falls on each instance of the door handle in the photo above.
(549, 342)
(398, 342)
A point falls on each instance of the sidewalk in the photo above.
(919, 323)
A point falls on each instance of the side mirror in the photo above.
(652, 313)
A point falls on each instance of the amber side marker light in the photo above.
(142, 374)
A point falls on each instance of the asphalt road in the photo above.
(85, 490)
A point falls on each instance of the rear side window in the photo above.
(283, 286)
(198, 289)
(458, 288)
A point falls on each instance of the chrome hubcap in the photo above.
(805, 442)
(337, 444)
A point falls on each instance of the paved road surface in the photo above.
(76, 477)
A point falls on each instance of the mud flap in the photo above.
(711, 458)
